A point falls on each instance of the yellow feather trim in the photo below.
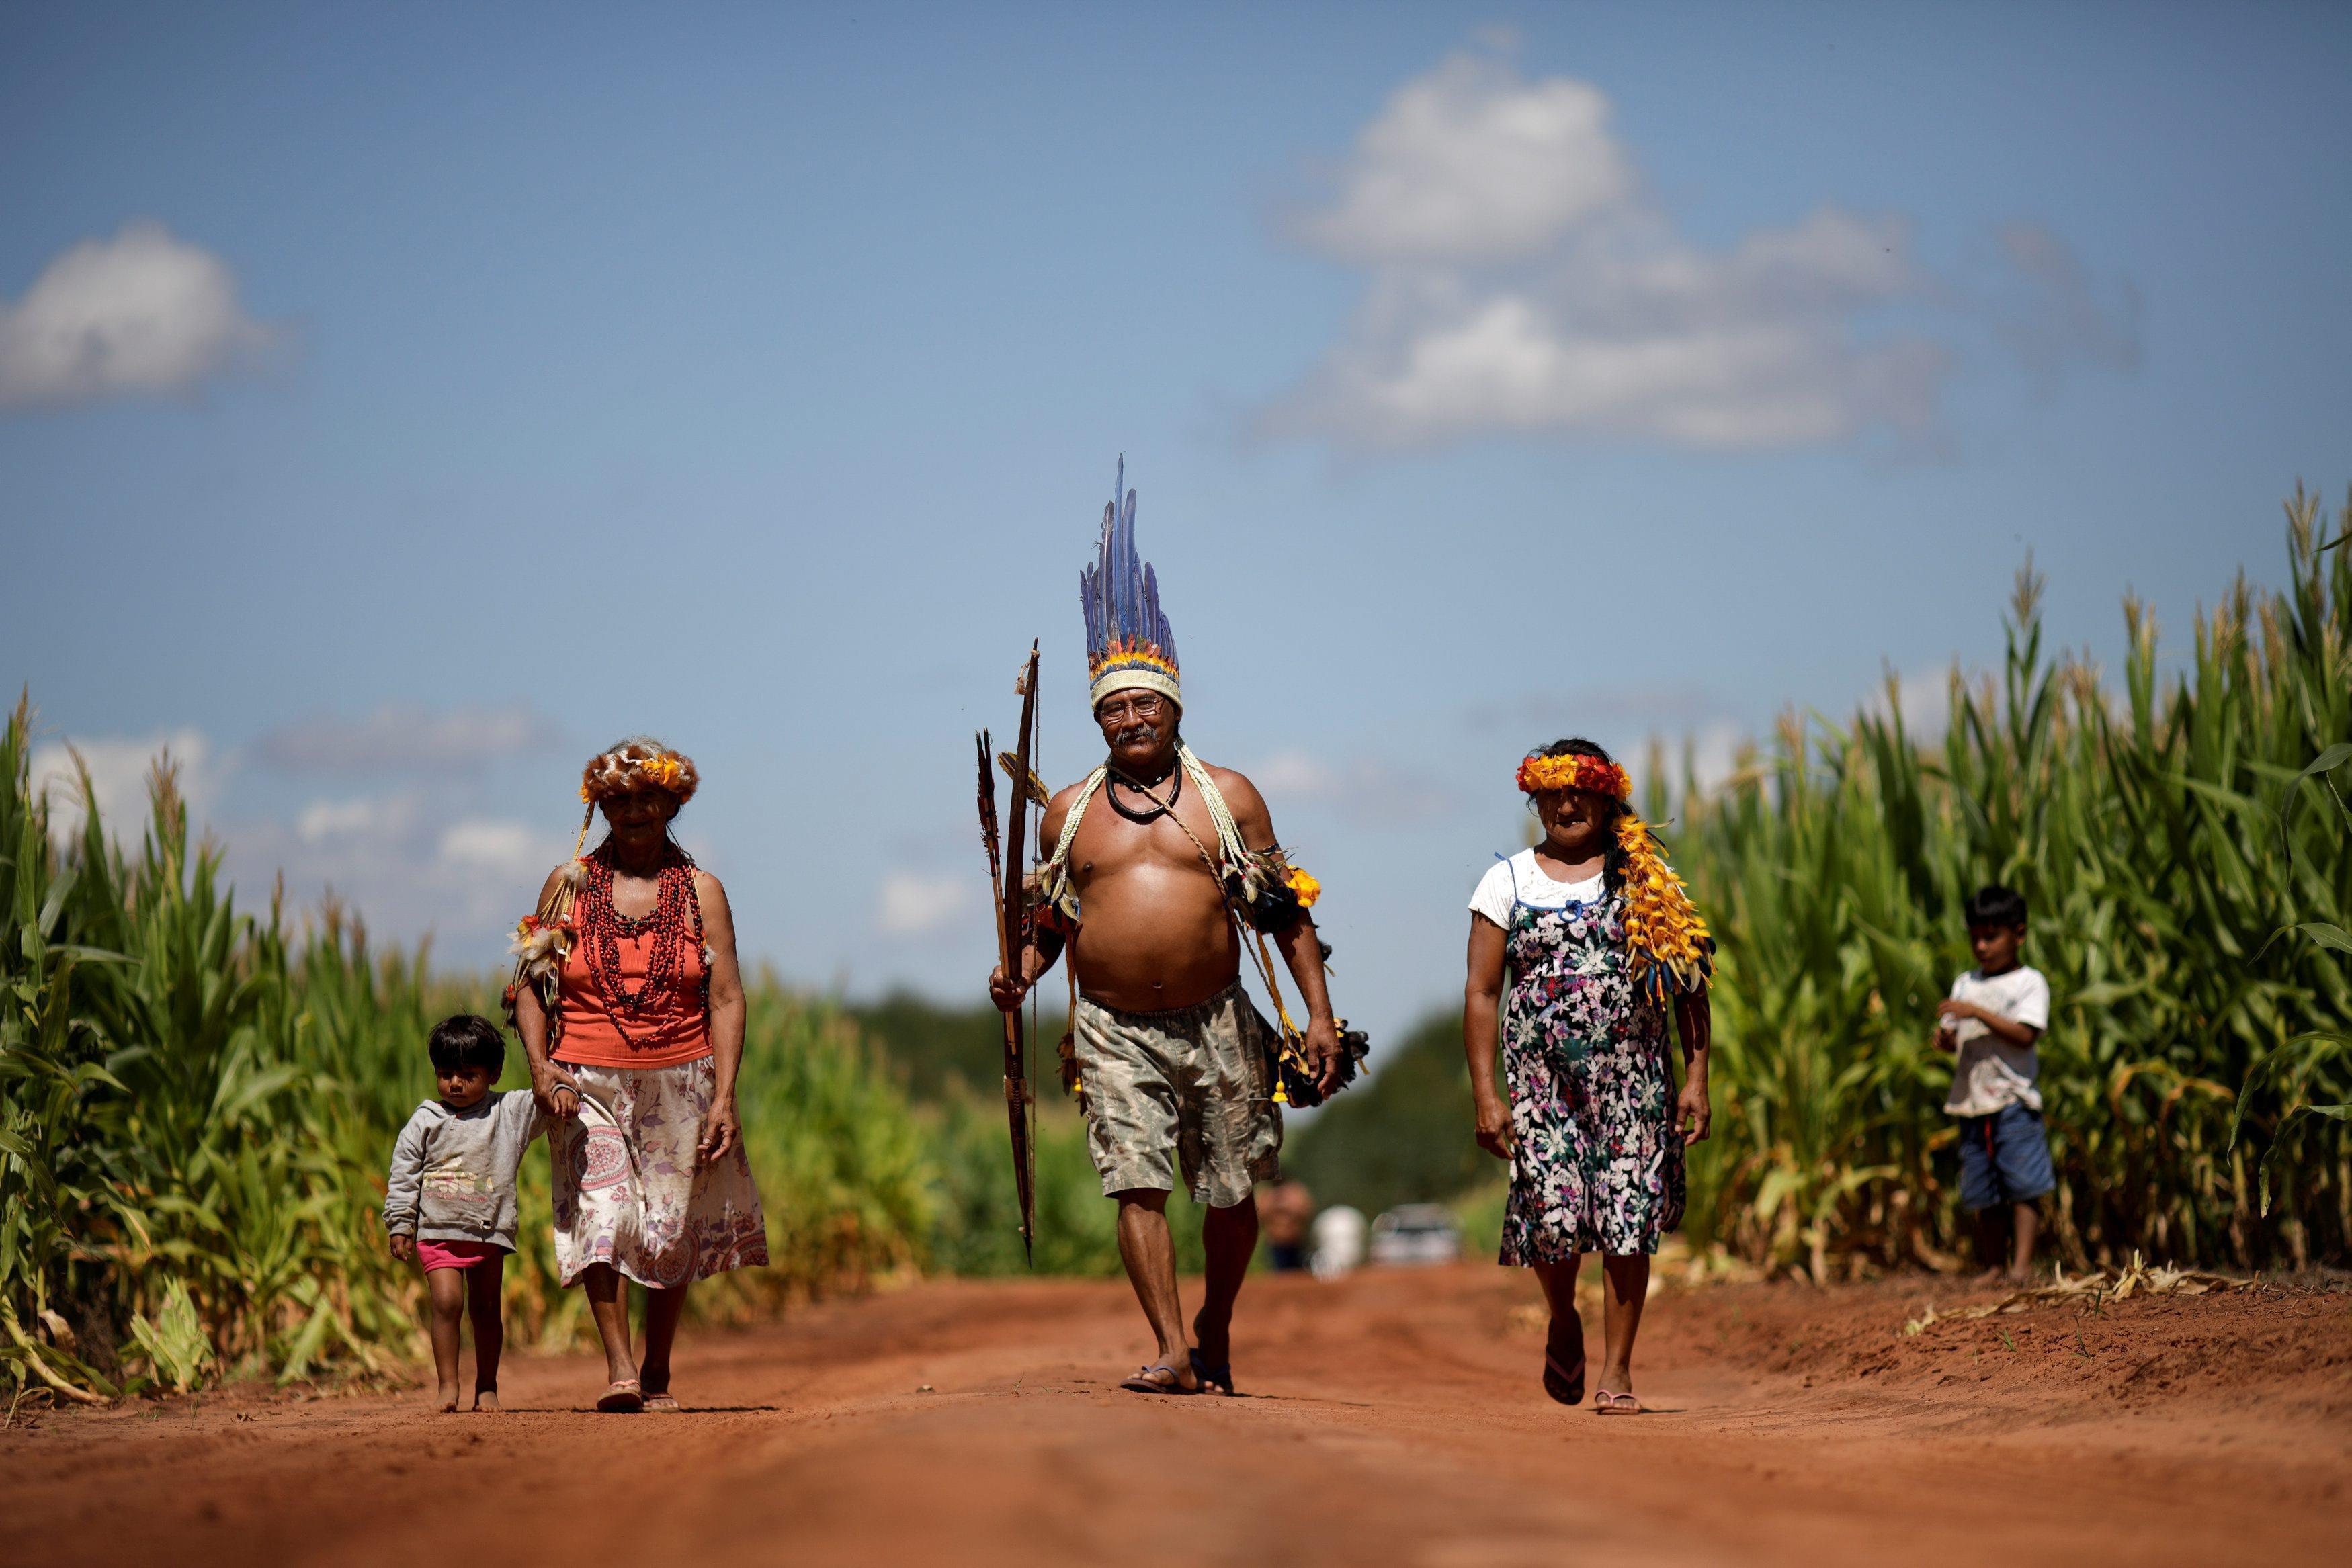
(1667, 943)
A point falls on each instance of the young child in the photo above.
(450, 1201)
(1995, 1014)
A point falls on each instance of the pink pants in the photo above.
(455, 1254)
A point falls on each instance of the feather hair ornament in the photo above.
(1128, 642)
(1667, 948)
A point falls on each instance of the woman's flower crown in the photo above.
(1574, 772)
(633, 763)
(1667, 946)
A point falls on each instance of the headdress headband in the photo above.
(1574, 772)
(636, 762)
(1128, 642)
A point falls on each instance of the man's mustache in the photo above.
(1135, 732)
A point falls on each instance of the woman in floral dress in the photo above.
(1582, 944)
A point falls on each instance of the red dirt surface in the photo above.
(1394, 1419)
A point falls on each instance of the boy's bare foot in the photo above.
(486, 1399)
(448, 1405)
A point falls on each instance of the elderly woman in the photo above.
(1586, 941)
(631, 1011)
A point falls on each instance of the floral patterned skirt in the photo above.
(1599, 1165)
(629, 1191)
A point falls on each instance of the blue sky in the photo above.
(396, 407)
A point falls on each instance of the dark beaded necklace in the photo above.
(675, 924)
(1175, 793)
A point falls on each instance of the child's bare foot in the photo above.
(486, 1399)
(448, 1405)
(1989, 1278)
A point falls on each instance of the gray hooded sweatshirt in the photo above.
(453, 1172)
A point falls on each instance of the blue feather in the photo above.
(1121, 592)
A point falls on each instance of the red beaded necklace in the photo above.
(675, 924)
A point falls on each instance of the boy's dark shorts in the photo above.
(2004, 1158)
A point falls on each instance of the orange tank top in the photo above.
(600, 1031)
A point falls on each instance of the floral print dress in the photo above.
(1599, 1163)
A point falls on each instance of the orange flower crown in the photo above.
(1667, 947)
(1574, 772)
(638, 762)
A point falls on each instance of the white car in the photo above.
(1415, 1233)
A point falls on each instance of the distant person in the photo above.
(631, 1009)
(1285, 1211)
(449, 1201)
(1992, 1020)
(1584, 945)
(1153, 852)
(1338, 1241)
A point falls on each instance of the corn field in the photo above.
(2185, 846)
(199, 1103)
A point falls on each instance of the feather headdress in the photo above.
(1128, 642)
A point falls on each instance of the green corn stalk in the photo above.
(2164, 832)
(176, 1344)
(199, 1105)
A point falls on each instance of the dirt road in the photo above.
(1394, 1419)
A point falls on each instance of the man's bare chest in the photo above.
(1109, 841)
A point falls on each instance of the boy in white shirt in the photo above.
(1995, 1014)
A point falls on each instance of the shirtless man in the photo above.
(1171, 1056)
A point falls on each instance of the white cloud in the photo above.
(411, 861)
(119, 771)
(1469, 163)
(1294, 775)
(324, 822)
(1361, 788)
(407, 738)
(509, 850)
(922, 903)
(140, 314)
(1519, 279)
(416, 858)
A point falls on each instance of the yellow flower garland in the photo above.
(1667, 944)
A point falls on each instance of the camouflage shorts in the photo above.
(1194, 1080)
